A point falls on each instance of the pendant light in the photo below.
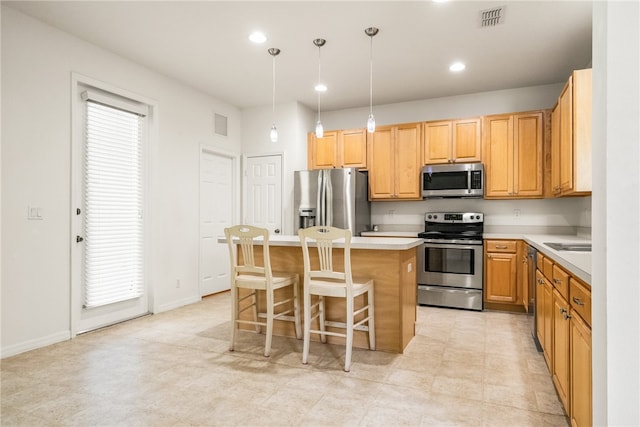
(371, 121)
(319, 88)
(273, 134)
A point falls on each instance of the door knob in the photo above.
(79, 239)
(277, 231)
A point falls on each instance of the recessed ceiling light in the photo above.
(457, 67)
(258, 37)
(320, 87)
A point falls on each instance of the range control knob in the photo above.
(435, 217)
(428, 216)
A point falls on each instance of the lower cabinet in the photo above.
(560, 348)
(581, 376)
(501, 275)
(563, 308)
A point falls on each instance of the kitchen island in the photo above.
(390, 262)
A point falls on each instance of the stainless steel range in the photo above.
(450, 272)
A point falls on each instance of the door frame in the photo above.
(235, 205)
(245, 202)
(75, 227)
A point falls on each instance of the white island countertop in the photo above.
(375, 243)
(576, 263)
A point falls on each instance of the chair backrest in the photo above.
(325, 237)
(247, 237)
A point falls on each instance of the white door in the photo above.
(263, 207)
(108, 242)
(216, 212)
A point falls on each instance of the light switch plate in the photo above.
(34, 213)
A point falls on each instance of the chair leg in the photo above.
(234, 316)
(321, 319)
(296, 308)
(254, 302)
(349, 343)
(267, 345)
(371, 323)
(307, 327)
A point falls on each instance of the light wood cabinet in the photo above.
(544, 309)
(523, 276)
(394, 162)
(452, 141)
(561, 349)
(513, 155)
(337, 149)
(571, 156)
(555, 150)
(501, 272)
(581, 372)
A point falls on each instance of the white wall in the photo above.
(292, 122)
(37, 62)
(616, 202)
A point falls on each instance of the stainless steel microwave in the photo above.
(453, 180)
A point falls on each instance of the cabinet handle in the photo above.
(577, 301)
(557, 282)
(540, 282)
(501, 247)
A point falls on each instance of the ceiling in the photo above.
(205, 45)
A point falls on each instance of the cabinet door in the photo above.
(566, 137)
(581, 375)
(528, 166)
(555, 150)
(381, 161)
(353, 148)
(523, 275)
(466, 141)
(501, 278)
(547, 301)
(437, 142)
(323, 152)
(498, 155)
(407, 164)
(561, 331)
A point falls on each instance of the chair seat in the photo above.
(332, 289)
(258, 282)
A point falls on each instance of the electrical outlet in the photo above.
(516, 213)
(178, 283)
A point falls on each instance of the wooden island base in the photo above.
(395, 289)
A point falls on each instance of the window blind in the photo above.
(113, 205)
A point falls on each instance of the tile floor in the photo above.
(174, 369)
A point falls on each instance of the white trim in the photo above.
(177, 304)
(34, 344)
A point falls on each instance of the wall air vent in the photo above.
(492, 17)
(220, 124)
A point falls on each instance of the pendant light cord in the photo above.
(273, 102)
(319, 82)
(370, 74)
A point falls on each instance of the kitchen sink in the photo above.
(574, 247)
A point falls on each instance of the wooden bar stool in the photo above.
(256, 278)
(326, 282)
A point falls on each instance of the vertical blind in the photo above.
(113, 205)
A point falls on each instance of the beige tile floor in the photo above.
(174, 369)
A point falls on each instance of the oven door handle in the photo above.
(450, 246)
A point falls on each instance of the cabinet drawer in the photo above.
(580, 299)
(547, 268)
(501, 246)
(561, 281)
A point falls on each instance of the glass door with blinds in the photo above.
(110, 238)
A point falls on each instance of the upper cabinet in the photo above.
(571, 154)
(513, 155)
(337, 149)
(394, 162)
(452, 141)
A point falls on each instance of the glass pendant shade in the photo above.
(319, 130)
(371, 124)
(273, 134)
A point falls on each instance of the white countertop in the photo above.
(375, 243)
(390, 233)
(577, 263)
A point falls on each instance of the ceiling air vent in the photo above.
(492, 17)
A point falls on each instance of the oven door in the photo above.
(455, 265)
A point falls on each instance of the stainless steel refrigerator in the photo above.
(336, 197)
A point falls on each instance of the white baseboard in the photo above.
(177, 304)
(29, 345)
